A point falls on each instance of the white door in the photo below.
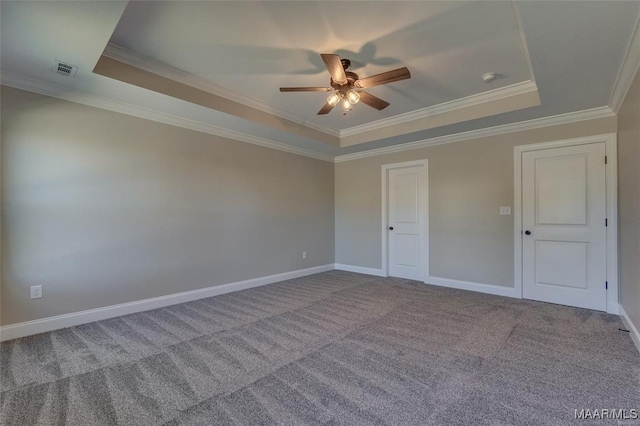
(406, 222)
(563, 219)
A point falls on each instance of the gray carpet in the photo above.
(332, 348)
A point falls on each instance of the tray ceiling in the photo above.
(247, 50)
(569, 54)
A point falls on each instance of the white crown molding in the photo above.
(555, 120)
(61, 92)
(151, 65)
(456, 104)
(628, 70)
(523, 38)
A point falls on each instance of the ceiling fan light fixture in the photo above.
(334, 98)
(353, 97)
(347, 85)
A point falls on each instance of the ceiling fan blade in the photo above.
(373, 101)
(306, 89)
(334, 65)
(326, 109)
(384, 78)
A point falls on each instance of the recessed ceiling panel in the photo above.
(252, 48)
(576, 50)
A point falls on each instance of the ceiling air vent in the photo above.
(63, 68)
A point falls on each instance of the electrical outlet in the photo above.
(304, 254)
(36, 291)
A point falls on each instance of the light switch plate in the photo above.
(505, 210)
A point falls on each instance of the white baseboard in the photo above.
(28, 328)
(359, 269)
(497, 290)
(633, 331)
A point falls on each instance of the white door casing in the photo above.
(564, 208)
(405, 187)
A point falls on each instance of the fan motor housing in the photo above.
(352, 77)
(349, 90)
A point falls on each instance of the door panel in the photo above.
(406, 198)
(407, 247)
(406, 205)
(562, 263)
(561, 190)
(564, 209)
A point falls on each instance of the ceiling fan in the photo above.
(346, 85)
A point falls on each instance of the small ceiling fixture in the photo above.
(64, 68)
(346, 85)
(489, 77)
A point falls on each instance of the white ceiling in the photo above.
(251, 48)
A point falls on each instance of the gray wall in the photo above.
(629, 201)
(468, 182)
(103, 208)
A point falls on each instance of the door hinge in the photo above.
(605, 159)
(606, 222)
(606, 285)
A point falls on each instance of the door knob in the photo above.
(527, 232)
(391, 228)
